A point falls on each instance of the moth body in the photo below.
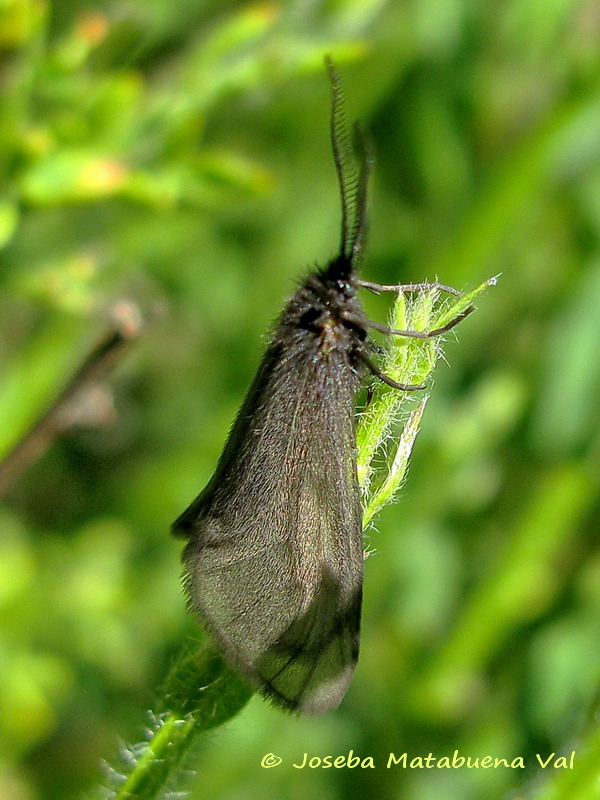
(274, 560)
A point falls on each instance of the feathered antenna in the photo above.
(352, 182)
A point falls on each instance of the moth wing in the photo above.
(274, 562)
(292, 630)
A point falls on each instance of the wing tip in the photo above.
(320, 699)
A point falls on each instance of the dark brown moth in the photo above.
(274, 560)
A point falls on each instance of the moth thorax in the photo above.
(330, 335)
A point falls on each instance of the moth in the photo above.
(273, 564)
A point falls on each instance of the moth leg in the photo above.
(404, 387)
(407, 287)
(379, 326)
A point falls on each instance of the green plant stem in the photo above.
(201, 693)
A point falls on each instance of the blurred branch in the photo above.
(85, 400)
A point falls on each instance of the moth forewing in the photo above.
(274, 560)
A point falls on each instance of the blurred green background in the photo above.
(176, 154)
